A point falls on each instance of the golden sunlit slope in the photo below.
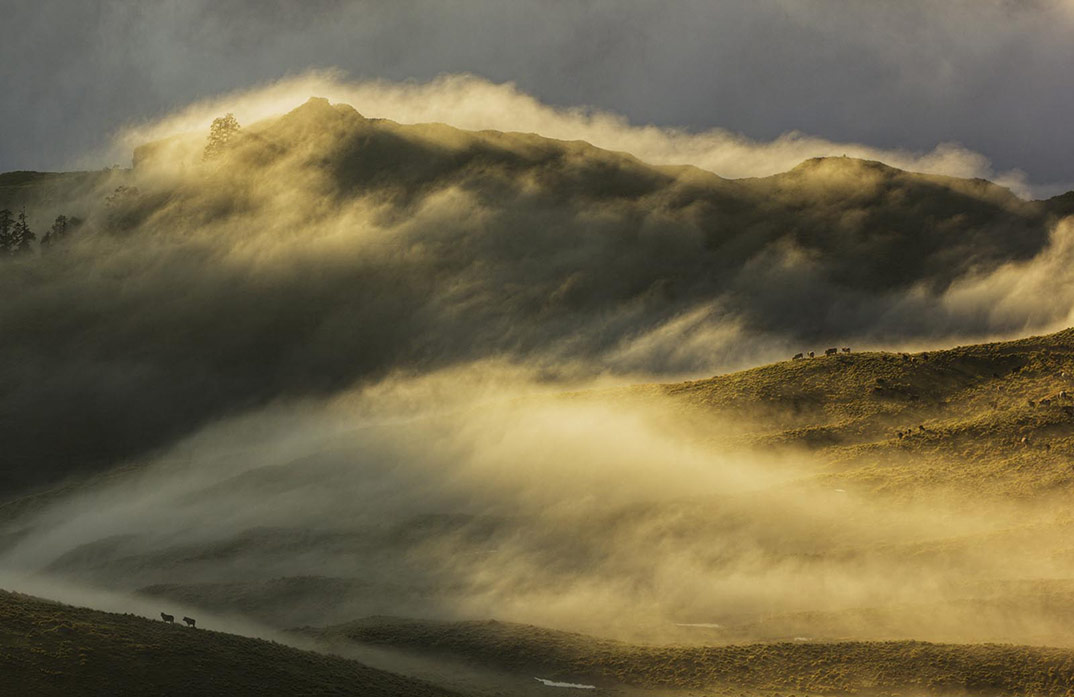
(873, 225)
(880, 668)
(995, 417)
(52, 649)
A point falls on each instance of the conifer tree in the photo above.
(22, 236)
(56, 233)
(222, 130)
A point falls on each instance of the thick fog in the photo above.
(324, 373)
(474, 493)
(324, 250)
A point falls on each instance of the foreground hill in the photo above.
(891, 668)
(52, 649)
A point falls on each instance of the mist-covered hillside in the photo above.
(321, 249)
(858, 497)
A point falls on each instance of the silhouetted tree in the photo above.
(7, 223)
(222, 130)
(22, 236)
(56, 233)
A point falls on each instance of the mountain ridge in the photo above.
(469, 247)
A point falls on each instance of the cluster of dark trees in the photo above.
(16, 237)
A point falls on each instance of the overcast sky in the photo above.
(996, 76)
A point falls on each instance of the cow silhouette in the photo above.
(167, 618)
(189, 621)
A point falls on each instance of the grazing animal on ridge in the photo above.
(831, 351)
(810, 354)
(189, 621)
(167, 618)
(797, 357)
(846, 349)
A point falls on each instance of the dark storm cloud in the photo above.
(990, 75)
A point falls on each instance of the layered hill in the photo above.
(317, 374)
(321, 250)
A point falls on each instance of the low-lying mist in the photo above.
(476, 493)
(348, 367)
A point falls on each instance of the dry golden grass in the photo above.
(878, 668)
(973, 402)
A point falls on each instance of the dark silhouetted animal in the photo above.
(189, 621)
(831, 351)
(797, 357)
(167, 618)
(846, 349)
(810, 354)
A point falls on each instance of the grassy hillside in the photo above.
(962, 414)
(880, 668)
(52, 649)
